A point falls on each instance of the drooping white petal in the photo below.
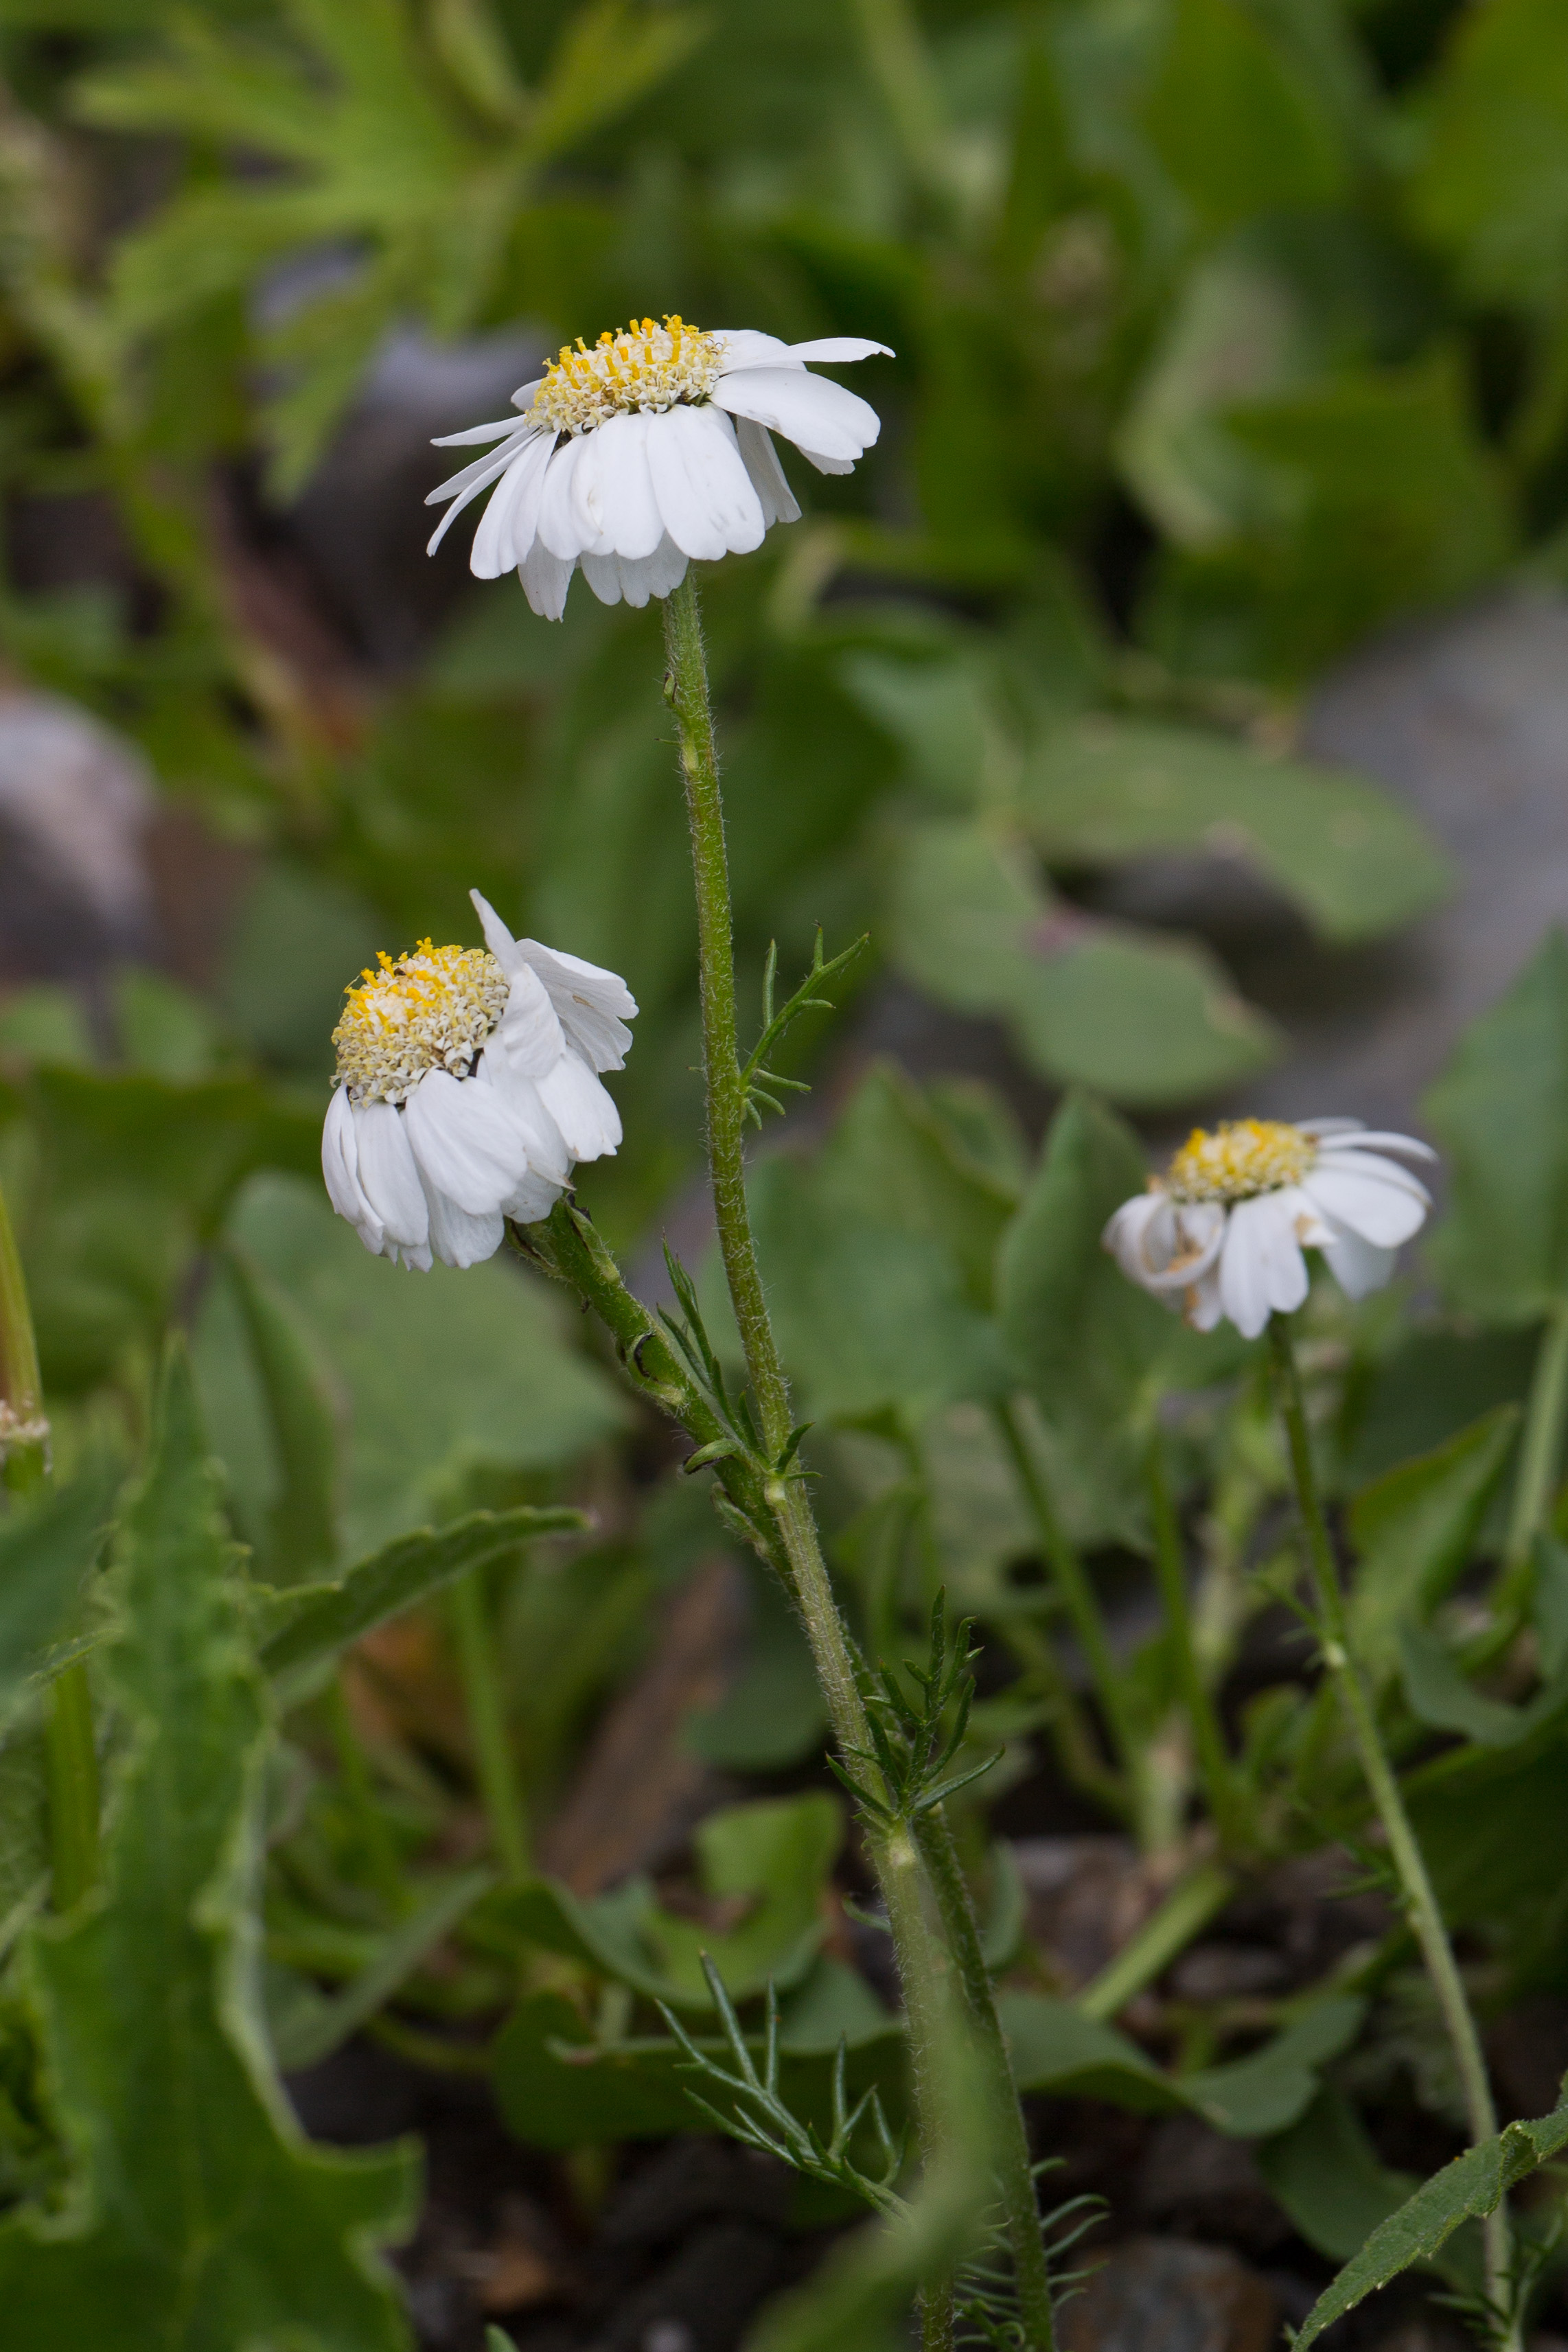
(457, 1238)
(464, 1141)
(529, 1028)
(480, 469)
(1261, 1270)
(703, 490)
(812, 411)
(519, 1098)
(545, 579)
(416, 1256)
(339, 1167)
(835, 348)
(1203, 1307)
(1358, 1266)
(500, 431)
(534, 1198)
(581, 1109)
(1379, 1211)
(592, 1005)
(612, 492)
(1128, 1237)
(602, 574)
(474, 478)
(506, 525)
(559, 526)
(827, 465)
(761, 460)
(387, 1174)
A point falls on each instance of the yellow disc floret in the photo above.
(431, 1009)
(1242, 1157)
(641, 366)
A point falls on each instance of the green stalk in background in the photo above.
(71, 1755)
(1540, 1456)
(1420, 1900)
(1170, 1571)
(494, 1764)
(893, 1852)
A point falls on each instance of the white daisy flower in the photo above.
(1224, 1229)
(467, 1090)
(650, 449)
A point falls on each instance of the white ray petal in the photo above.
(1359, 1266)
(581, 1109)
(464, 1141)
(387, 1174)
(530, 1029)
(558, 527)
(812, 411)
(839, 348)
(458, 1239)
(506, 525)
(524, 396)
(761, 460)
(500, 430)
(1261, 1270)
(545, 579)
(339, 1167)
(1368, 1205)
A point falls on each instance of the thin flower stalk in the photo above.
(893, 1849)
(1539, 1456)
(1169, 1569)
(1405, 1852)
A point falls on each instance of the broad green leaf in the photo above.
(1093, 1350)
(1474, 2185)
(443, 1372)
(1501, 1113)
(1437, 1694)
(1348, 856)
(774, 1854)
(1413, 1530)
(306, 2025)
(558, 2088)
(1055, 2048)
(305, 1624)
(1236, 123)
(200, 2216)
(46, 1551)
(940, 714)
(773, 1713)
(1269, 2091)
(868, 1314)
(1093, 1003)
(1492, 182)
(1327, 2175)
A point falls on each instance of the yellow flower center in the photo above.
(640, 366)
(1241, 1157)
(431, 1009)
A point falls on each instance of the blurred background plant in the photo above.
(1227, 332)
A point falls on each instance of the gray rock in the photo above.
(1160, 2294)
(75, 804)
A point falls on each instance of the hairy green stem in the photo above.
(1030, 2272)
(69, 1749)
(1540, 1452)
(1420, 1900)
(494, 1764)
(1171, 1574)
(893, 1855)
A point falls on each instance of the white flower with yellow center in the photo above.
(467, 1091)
(650, 449)
(1224, 1229)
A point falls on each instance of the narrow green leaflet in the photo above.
(304, 1623)
(302, 1536)
(45, 1554)
(1413, 1530)
(198, 2217)
(306, 2024)
(1501, 1113)
(1472, 2186)
(1346, 853)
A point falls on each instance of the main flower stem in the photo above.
(1409, 1862)
(70, 1754)
(893, 1852)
